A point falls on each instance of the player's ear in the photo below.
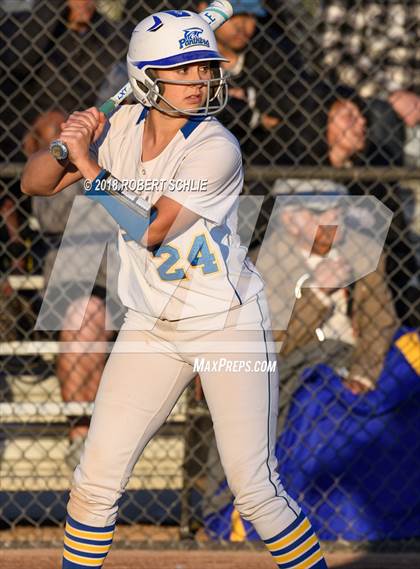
(153, 74)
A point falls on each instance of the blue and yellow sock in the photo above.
(297, 547)
(85, 546)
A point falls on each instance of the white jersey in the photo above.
(202, 270)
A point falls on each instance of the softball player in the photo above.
(189, 291)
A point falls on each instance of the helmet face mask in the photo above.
(215, 100)
(168, 40)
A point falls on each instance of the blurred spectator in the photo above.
(348, 328)
(79, 374)
(347, 133)
(12, 260)
(11, 242)
(344, 141)
(10, 307)
(242, 115)
(287, 89)
(269, 104)
(373, 48)
(82, 48)
(57, 56)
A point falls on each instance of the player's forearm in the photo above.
(42, 174)
(170, 219)
(88, 168)
(159, 233)
(154, 236)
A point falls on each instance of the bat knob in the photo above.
(59, 150)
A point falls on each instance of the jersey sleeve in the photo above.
(209, 179)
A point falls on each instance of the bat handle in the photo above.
(107, 107)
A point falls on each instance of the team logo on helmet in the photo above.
(192, 37)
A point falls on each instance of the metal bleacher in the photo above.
(34, 423)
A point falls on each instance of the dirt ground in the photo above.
(18, 551)
(130, 559)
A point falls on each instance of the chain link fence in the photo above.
(324, 96)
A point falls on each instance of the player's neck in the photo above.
(159, 130)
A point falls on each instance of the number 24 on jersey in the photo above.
(199, 257)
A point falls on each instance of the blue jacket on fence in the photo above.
(352, 461)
